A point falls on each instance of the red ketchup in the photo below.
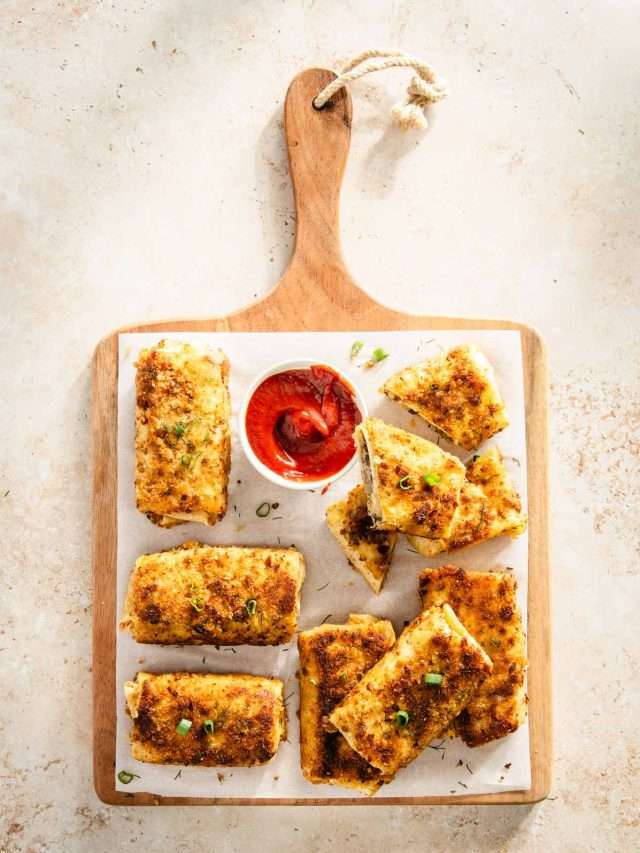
(300, 423)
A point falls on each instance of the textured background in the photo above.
(142, 176)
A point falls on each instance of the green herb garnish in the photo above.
(377, 355)
(183, 727)
(401, 719)
(179, 428)
(125, 777)
(251, 606)
(264, 509)
(433, 678)
(431, 479)
(209, 727)
(197, 604)
(189, 460)
(356, 346)
(405, 483)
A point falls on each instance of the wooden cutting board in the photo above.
(316, 293)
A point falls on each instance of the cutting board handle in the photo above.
(318, 145)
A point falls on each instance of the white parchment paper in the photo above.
(331, 590)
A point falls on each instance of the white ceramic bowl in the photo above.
(261, 468)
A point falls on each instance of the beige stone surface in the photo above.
(142, 176)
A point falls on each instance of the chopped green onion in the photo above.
(209, 727)
(185, 460)
(377, 355)
(433, 678)
(431, 479)
(401, 718)
(197, 604)
(179, 428)
(263, 510)
(356, 346)
(251, 606)
(183, 727)
(125, 777)
(405, 483)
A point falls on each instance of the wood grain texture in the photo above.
(316, 293)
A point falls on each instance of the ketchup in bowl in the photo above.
(299, 423)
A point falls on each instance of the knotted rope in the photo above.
(423, 89)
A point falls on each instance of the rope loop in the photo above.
(424, 88)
